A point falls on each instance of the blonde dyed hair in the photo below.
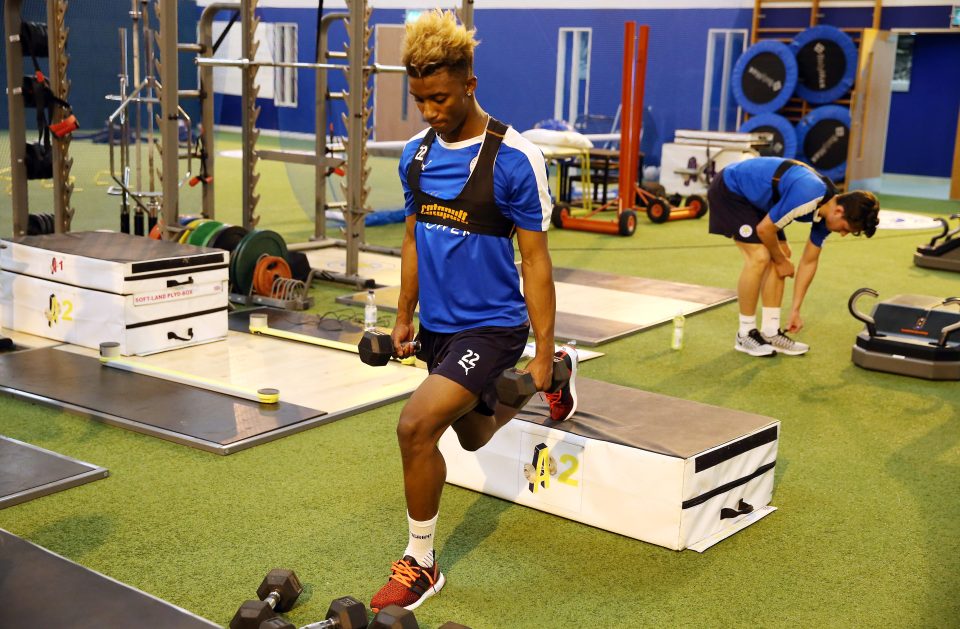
(436, 40)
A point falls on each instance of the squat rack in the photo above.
(358, 70)
(59, 84)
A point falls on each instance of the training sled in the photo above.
(39, 588)
(667, 471)
(910, 335)
(943, 250)
(85, 288)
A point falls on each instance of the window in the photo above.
(903, 63)
(573, 74)
(719, 112)
(285, 51)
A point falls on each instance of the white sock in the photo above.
(771, 321)
(420, 541)
(747, 323)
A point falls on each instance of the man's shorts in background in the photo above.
(732, 215)
(474, 358)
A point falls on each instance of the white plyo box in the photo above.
(89, 287)
(655, 480)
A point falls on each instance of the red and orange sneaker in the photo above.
(409, 585)
(563, 403)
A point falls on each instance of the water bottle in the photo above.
(370, 311)
(677, 342)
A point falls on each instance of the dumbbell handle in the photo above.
(414, 344)
(272, 599)
(329, 623)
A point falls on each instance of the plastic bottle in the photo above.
(677, 342)
(370, 311)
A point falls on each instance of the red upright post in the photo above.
(636, 109)
(626, 118)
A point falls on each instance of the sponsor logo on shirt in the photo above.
(441, 211)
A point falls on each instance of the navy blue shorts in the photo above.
(474, 358)
(732, 215)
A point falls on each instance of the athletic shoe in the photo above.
(563, 403)
(786, 345)
(409, 585)
(754, 344)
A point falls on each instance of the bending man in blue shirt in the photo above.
(752, 201)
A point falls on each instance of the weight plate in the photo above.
(202, 232)
(243, 261)
(227, 238)
(188, 229)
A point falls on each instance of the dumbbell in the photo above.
(345, 612)
(515, 387)
(278, 592)
(394, 617)
(376, 348)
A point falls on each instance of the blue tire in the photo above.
(822, 139)
(784, 135)
(764, 77)
(826, 64)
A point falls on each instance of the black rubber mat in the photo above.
(39, 588)
(342, 331)
(28, 472)
(83, 383)
(648, 421)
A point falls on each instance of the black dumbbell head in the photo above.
(285, 584)
(251, 614)
(349, 612)
(394, 617)
(375, 348)
(515, 387)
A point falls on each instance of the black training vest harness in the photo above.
(786, 165)
(474, 210)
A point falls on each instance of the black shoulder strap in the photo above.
(419, 159)
(786, 165)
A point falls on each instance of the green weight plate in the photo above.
(202, 232)
(188, 229)
(245, 256)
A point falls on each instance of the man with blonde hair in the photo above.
(470, 184)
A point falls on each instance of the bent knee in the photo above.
(757, 258)
(417, 431)
(469, 439)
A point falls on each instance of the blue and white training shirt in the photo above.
(801, 191)
(468, 280)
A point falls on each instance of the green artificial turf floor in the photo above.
(866, 533)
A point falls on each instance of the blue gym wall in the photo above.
(523, 93)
